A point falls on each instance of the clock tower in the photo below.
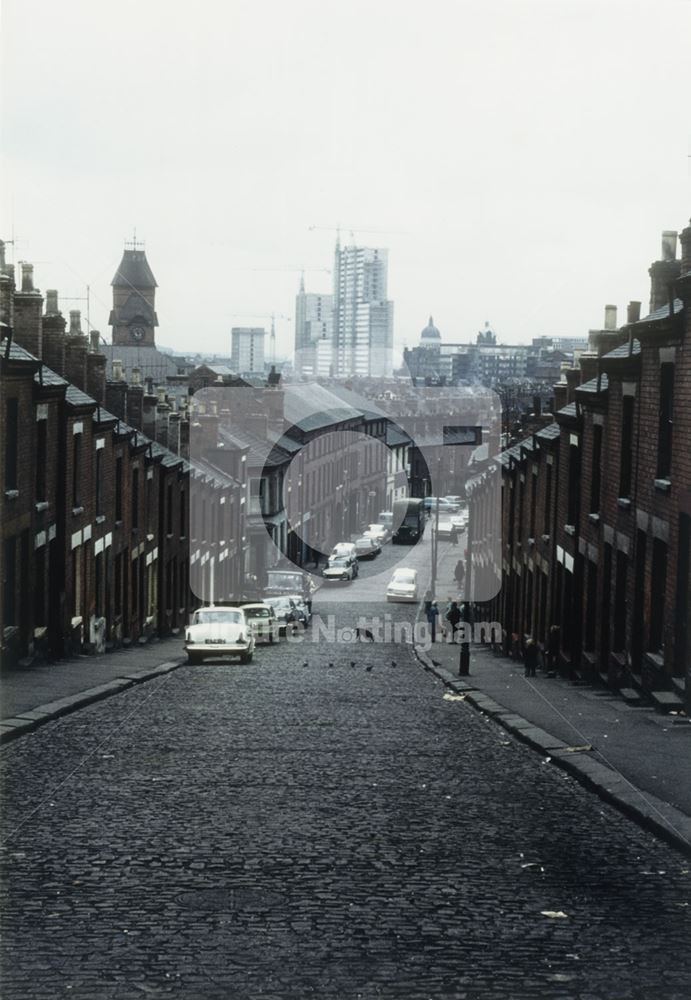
(133, 316)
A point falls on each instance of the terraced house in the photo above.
(597, 504)
(94, 512)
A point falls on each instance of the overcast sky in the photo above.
(520, 160)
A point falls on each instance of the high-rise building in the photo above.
(313, 332)
(247, 350)
(363, 316)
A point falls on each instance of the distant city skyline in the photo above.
(506, 183)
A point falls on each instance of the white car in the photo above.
(403, 585)
(262, 621)
(302, 606)
(377, 531)
(447, 527)
(367, 547)
(344, 549)
(340, 568)
(215, 632)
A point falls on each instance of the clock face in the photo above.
(138, 332)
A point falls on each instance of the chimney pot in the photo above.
(52, 302)
(136, 376)
(95, 340)
(75, 323)
(27, 277)
(117, 370)
(610, 317)
(161, 390)
(669, 244)
(633, 312)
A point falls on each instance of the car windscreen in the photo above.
(218, 618)
(257, 612)
(403, 577)
(285, 580)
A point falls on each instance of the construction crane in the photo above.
(272, 316)
(355, 229)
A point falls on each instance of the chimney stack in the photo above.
(663, 273)
(685, 240)
(3, 263)
(75, 323)
(96, 376)
(27, 277)
(54, 334)
(610, 317)
(28, 314)
(669, 244)
(633, 312)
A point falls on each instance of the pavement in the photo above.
(635, 757)
(32, 696)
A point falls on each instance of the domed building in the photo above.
(430, 336)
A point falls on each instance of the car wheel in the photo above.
(245, 658)
(272, 638)
(192, 658)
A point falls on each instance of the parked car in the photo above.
(446, 528)
(218, 632)
(341, 568)
(288, 614)
(403, 585)
(344, 549)
(385, 517)
(378, 531)
(262, 621)
(431, 504)
(455, 501)
(367, 547)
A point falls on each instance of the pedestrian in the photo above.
(552, 650)
(454, 535)
(459, 573)
(432, 617)
(453, 617)
(530, 657)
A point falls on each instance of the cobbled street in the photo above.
(322, 823)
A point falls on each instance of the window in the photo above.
(11, 443)
(574, 483)
(9, 582)
(135, 499)
(99, 482)
(118, 488)
(76, 470)
(664, 441)
(596, 473)
(533, 503)
(626, 462)
(41, 459)
(620, 602)
(657, 595)
(548, 501)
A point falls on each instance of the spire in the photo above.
(302, 282)
(431, 322)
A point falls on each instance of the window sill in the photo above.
(545, 538)
(76, 511)
(118, 524)
(594, 518)
(100, 518)
(663, 485)
(76, 621)
(11, 494)
(41, 506)
(624, 503)
(570, 529)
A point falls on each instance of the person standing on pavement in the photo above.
(552, 651)
(432, 613)
(459, 573)
(530, 657)
(454, 617)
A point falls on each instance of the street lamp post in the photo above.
(464, 656)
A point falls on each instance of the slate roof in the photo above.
(591, 385)
(75, 397)
(134, 271)
(396, 436)
(623, 350)
(550, 432)
(662, 312)
(569, 410)
(17, 353)
(152, 363)
(135, 305)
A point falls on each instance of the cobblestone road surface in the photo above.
(294, 829)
